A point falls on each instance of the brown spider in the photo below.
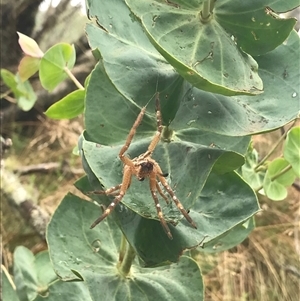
(143, 167)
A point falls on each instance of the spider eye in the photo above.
(141, 179)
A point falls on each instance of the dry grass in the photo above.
(265, 266)
(42, 142)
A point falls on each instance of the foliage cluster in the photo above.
(225, 71)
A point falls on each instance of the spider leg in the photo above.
(124, 186)
(111, 190)
(161, 193)
(137, 122)
(156, 138)
(153, 187)
(174, 197)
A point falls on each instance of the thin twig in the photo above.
(273, 148)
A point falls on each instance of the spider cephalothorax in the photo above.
(143, 167)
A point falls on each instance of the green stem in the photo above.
(122, 248)
(125, 265)
(73, 78)
(211, 5)
(283, 171)
(273, 148)
(207, 8)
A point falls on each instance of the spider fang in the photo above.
(143, 167)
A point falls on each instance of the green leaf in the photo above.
(8, 291)
(31, 274)
(10, 80)
(252, 177)
(196, 162)
(23, 91)
(101, 165)
(53, 64)
(274, 185)
(69, 107)
(204, 53)
(94, 256)
(26, 97)
(106, 107)
(230, 239)
(29, 46)
(291, 149)
(44, 269)
(25, 275)
(70, 291)
(28, 66)
(256, 28)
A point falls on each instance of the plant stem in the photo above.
(211, 5)
(123, 246)
(207, 8)
(73, 78)
(273, 148)
(283, 171)
(125, 265)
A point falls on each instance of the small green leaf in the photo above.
(26, 97)
(28, 66)
(10, 80)
(8, 291)
(29, 46)
(291, 150)
(274, 185)
(253, 177)
(32, 274)
(23, 91)
(53, 64)
(25, 275)
(69, 107)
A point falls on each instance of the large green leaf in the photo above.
(244, 115)
(92, 255)
(102, 166)
(230, 239)
(256, 28)
(69, 291)
(204, 53)
(106, 107)
(187, 164)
